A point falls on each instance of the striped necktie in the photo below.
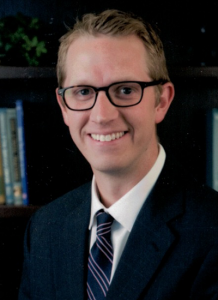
(100, 259)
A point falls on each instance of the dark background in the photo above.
(188, 29)
(190, 35)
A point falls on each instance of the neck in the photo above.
(112, 186)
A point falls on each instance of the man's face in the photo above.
(100, 61)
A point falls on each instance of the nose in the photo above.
(104, 111)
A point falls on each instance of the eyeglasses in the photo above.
(120, 94)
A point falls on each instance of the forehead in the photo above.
(104, 57)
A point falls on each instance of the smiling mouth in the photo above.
(107, 137)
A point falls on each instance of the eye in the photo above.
(125, 90)
(81, 93)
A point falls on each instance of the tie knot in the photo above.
(104, 222)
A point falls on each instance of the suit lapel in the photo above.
(148, 242)
(72, 251)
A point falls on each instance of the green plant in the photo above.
(21, 41)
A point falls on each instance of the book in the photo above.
(22, 150)
(14, 162)
(212, 149)
(2, 182)
(9, 199)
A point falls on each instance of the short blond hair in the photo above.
(116, 23)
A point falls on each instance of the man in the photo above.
(162, 231)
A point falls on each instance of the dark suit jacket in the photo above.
(171, 253)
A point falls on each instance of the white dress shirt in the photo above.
(125, 210)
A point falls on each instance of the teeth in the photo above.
(108, 137)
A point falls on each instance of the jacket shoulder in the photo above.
(62, 206)
(177, 185)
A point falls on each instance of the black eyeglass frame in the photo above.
(143, 84)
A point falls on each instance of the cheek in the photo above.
(145, 127)
(145, 116)
(76, 123)
(73, 128)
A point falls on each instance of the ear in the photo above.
(165, 101)
(62, 107)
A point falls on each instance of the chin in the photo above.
(110, 169)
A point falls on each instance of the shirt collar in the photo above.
(126, 209)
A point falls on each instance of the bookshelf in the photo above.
(21, 75)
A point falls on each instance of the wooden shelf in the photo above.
(193, 72)
(7, 72)
(17, 211)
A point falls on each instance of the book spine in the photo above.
(2, 182)
(14, 156)
(212, 149)
(5, 158)
(209, 141)
(215, 149)
(22, 150)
